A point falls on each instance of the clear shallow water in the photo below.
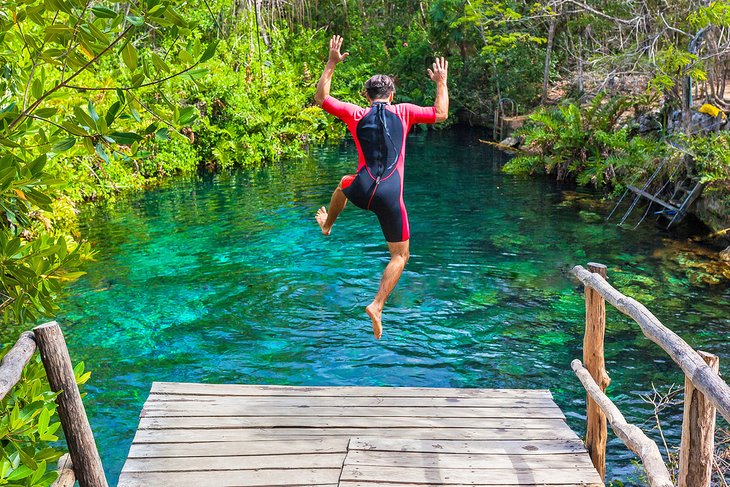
(228, 279)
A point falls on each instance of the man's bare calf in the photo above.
(399, 256)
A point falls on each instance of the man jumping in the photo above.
(380, 132)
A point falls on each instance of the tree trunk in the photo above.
(548, 52)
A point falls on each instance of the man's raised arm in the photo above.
(439, 74)
(323, 87)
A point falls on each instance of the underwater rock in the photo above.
(725, 254)
(590, 217)
(701, 265)
(512, 141)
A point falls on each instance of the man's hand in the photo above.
(335, 45)
(439, 74)
(440, 71)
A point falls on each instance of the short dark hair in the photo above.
(379, 86)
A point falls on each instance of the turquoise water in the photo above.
(227, 278)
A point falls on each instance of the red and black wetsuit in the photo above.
(380, 134)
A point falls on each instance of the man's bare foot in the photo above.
(375, 315)
(321, 218)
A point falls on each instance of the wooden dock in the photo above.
(239, 435)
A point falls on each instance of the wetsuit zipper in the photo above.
(377, 183)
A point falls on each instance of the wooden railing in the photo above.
(82, 463)
(705, 392)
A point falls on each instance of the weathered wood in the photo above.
(71, 412)
(694, 367)
(340, 391)
(326, 477)
(236, 409)
(698, 433)
(436, 483)
(239, 462)
(66, 475)
(238, 448)
(238, 434)
(11, 367)
(258, 435)
(485, 447)
(593, 357)
(216, 422)
(468, 460)
(352, 401)
(632, 436)
(448, 476)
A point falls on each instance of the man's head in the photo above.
(380, 87)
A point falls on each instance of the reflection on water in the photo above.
(228, 279)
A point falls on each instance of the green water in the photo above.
(227, 279)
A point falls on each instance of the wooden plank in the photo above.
(364, 483)
(216, 422)
(194, 408)
(238, 448)
(300, 477)
(447, 476)
(239, 434)
(468, 460)
(339, 391)
(354, 401)
(248, 462)
(482, 447)
(653, 198)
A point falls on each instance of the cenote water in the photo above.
(227, 279)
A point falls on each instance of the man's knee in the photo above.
(401, 253)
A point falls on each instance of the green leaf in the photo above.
(92, 112)
(37, 88)
(135, 20)
(159, 63)
(46, 112)
(20, 473)
(138, 79)
(185, 57)
(36, 167)
(64, 144)
(103, 12)
(187, 115)
(102, 153)
(125, 138)
(112, 113)
(73, 128)
(129, 55)
(163, 134)
(209, 52)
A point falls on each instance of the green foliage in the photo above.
(73, 82)
(712, 161)
(583, 143)
(29, 428)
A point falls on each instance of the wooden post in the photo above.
(593, 358)
(71, 412)
(698, 433)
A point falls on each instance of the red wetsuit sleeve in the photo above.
(340, 109)
(416, 114)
